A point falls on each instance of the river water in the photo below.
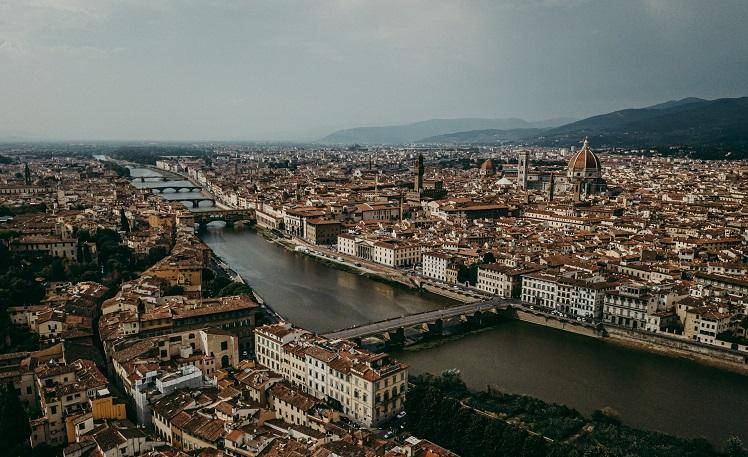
(170, 195)
(650, 391)
(310, 294)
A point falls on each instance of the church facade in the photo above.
(583, 175)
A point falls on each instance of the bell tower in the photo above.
(418, 171)
(522, 167)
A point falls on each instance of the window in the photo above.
(224, 345)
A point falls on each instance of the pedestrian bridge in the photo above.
(433, 320)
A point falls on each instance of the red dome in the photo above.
(584, 161)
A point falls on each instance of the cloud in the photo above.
(239, 68)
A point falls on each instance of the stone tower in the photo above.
(418, 171)
(522, 167)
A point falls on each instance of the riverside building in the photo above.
(368, 387)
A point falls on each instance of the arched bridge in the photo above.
(195, 200)
(229, 216)
(433, 319)
(175, 188)
(150, 178)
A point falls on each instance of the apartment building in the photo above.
(347, 244)
(629, 305)
(369, 388)
(704, 323)
(396, 253)
(435, 265)
(573, 293)
(502, 280)
(321, 231)
(65, 392)
(153, 367)
(53, 246)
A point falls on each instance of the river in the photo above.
(307, 293)
(182, 195)
(650, 391)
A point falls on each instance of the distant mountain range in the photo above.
(411, 133)
(721, 124)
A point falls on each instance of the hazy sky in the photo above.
(225, 69)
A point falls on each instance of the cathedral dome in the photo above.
(487, 165)
(585, 164)
(487, 168)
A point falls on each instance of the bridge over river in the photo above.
(174, 188)
(229, 216)
(433, 320)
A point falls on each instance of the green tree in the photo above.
(599, 451)
(468, 274)
(55, 271)
(14, 425)
(90, 276)
(488, 257)
(83, 236)
(124, 224)
(173, 290)
(7, 234)
(157, 253)
(735, 448)
(235, 288)
(26, 174)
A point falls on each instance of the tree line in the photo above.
(494, 424)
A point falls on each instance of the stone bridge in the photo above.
(195, 200)
(229, 216)
(428, 321)
(150, 178)
(175, 188)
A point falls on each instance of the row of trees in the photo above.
(148, 155)
(220, 285)
(443, 410)
(117, 168)
(22, 209)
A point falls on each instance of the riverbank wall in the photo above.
(445, 292)
(558, 323)
(394, 278)
(679, 347)
(646, 341)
